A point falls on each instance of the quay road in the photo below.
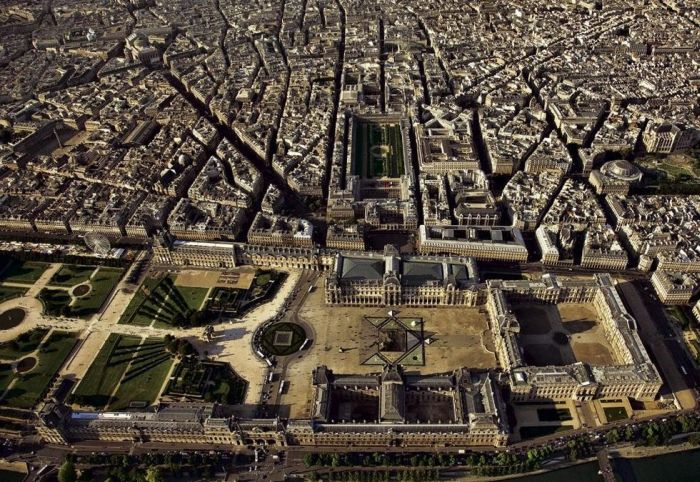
(292, 457)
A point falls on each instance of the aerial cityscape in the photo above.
(349, 240)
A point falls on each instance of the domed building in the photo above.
(622, 170)
(615, 177)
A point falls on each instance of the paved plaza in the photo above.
(455, 337)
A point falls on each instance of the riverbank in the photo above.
(676, 466)
(575, 471)
(675, 463)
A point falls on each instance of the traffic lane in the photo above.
(678, 350)
(648, 331)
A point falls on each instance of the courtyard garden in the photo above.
(613, 414)
(554, 414)
(210, 381)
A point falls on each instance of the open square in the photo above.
(453, 337)
(393, 340)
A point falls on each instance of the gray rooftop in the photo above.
(356, 269)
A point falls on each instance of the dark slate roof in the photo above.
(362, 268)
(418, 272)
(460, 272)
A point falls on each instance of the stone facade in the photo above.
(500, 243)
(388, 279)
(467, 408)
(632, 375)
(174, 423)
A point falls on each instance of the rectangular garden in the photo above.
(126, 369)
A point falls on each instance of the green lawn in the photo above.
(10, 292)
(22, 345)
(141, 368)
(193, 297)
(55, 301)
(30, 387)
(71, 275)
(367, 135)
(614, 414)
(102, 284)
(144, 378)
(129, 317)
(396, 166)
(16, 271)
(7, 374)
(106, 370)
(162, 302)
(677, 173)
